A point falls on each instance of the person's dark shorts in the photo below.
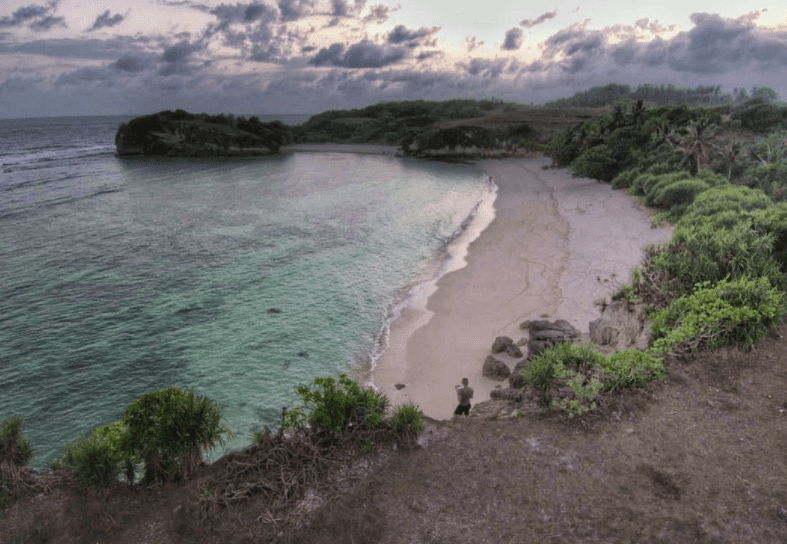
(462, 410)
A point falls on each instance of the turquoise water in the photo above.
(241, 278)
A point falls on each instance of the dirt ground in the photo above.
(701, 457)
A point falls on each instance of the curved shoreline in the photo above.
(551, 239)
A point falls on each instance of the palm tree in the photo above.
(638, 113)
(731, 152)
(695, 142)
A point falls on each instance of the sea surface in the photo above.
(241, 278)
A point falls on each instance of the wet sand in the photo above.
(551, 238)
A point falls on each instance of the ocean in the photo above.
(241, 278)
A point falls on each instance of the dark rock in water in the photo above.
(303, 354)
(274, 310)
(399, 386)
(495, 369)
(182, 134)
(545, 334)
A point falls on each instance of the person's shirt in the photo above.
(465, 394)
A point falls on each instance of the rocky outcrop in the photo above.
(517, 380)
(182, 134)
(622, 325)
(505, 344)
(495, 369)
(545, 334)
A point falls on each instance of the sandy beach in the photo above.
(551, 239)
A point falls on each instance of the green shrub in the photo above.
(631, 368)
(96, 459)
(773, 219)
(167, 429)
(596, 163)
(702, 252)
(771, 178)
(15, 449)
(334, 404)
(727, 198)
(742, 310)
(587, 372)
(625, 178)
(677, 196)
(407, 420)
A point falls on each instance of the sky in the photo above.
(130, 57)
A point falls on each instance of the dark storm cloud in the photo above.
(130, 63)
(180, 51)
(378, 14)
(401, 34)
(514, 39)
(342, 8)
(106, 20)
(485, 67)
(360, 55)
(243, 13)
(329, 55)
(88, 74)
(530, 23)
(292, 10)
(716, 44)
(82, 49)
(38, 18)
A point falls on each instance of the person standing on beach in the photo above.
(464, 394)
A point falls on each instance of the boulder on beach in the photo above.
(495, 369)
(517, 380)
(505, 344)
(622, 325)
(545, 334)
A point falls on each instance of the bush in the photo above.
(771, 178)
(95, 458)
(625, 178)
(742, 310)
(703, 252)
(727, 198)
(773, 220)
(15, 449)
(587, 372)
(407, 420)
(596, 163)
(333, 405)
(167, 429)
(631, 368)
(677, 196)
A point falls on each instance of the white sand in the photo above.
(552, 236)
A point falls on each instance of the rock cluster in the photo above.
(622, 325)
(545, 334)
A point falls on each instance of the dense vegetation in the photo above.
(163, 433)
(663, 95)
(720, 175)
(458, 127)
(181, 132)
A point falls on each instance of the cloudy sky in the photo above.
(77, 57)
